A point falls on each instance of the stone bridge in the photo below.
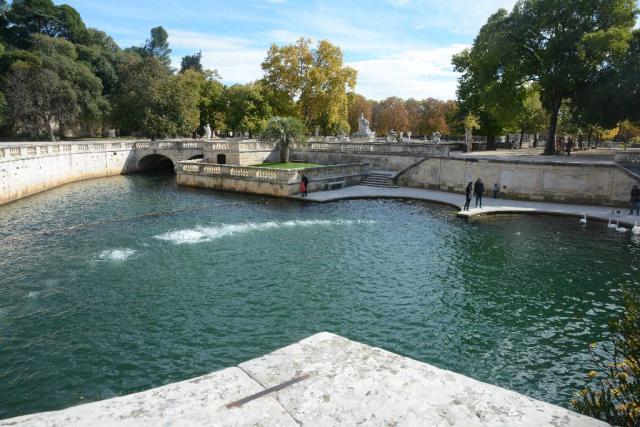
(29, 168)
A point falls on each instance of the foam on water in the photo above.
(33, 294)
(206, 234)
(116, 254)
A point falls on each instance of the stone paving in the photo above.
(339, 382)
(489, 205)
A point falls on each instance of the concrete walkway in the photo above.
(335, 382)
(489, 205)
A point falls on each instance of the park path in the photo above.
(489, 205)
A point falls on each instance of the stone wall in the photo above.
(241, 152)
(271, 182)
(28, 169)
(588, 183)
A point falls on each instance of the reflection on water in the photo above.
(116, 285)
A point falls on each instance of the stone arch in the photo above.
(156, 162)
(197, 156)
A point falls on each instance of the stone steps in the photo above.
(374, 179)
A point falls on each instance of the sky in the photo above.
(399, 47)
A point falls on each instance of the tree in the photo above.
(310, 83)
(248, 111)
(390, 114)
(554, 43)
(191, 62)
(138, 78)
(50, 86)
(614, 392)
(286, 131)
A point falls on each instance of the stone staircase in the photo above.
(379, 179)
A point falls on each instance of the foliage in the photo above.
(248, 111)
(358, 104)
(390, 114)
(471, 122)
(192, 62)
(310, 84)
(614, 392)
(557, 45)
(52, 86)
(286, 131)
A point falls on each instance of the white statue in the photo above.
(436, 137)
(363, 129)
(207, 131)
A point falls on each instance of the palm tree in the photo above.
(286, 131)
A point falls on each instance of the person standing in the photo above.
(635, 200)
(304, 185)
(496, 190)
(468, 196)
(478, 190)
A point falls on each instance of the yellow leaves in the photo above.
(592, 374)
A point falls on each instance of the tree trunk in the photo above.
(508, 142)
(589, 135)
(535, 140)
(521, 138)
(491, 142)
(550, 147)
(580, 138)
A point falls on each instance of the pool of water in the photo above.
(117, 285)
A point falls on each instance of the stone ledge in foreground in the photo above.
(349, 383)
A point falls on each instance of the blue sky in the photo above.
(399, 47)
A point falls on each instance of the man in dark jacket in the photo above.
(478, 190)
(635, 200)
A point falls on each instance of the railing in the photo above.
(239, 145)
(383, 148)
(628, 157)
(8, 152)
(283, 176)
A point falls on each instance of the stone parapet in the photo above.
(323, 380)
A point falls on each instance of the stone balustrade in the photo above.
(383, 148)
(281, 176)
(27, 150)
(628, 157)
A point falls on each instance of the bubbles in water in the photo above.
(33, 294)
(116, 254)
(206, 234)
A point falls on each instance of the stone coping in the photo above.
(336, 382)
(490, 206)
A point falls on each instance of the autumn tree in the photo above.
(390, 114)
(312, 82)
(358, 104)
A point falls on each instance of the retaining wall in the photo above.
(588, 183)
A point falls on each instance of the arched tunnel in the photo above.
(156, 162)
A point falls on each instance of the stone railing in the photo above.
(383, 148)
(13, 152)
(239, 145)
(628, 157)
(282, 176)
(27, 150)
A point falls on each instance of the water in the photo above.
(117, 285)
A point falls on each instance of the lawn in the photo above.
(287, 165)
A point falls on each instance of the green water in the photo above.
(117, 285)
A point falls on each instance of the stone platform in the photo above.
(337, 382)
(490, 206)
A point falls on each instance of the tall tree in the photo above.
(358, 104)
(311, 82)
(50, 86)
(555, 43)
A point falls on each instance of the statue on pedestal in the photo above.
(363, 129)
(207, 131)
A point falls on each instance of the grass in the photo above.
(287, 165)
